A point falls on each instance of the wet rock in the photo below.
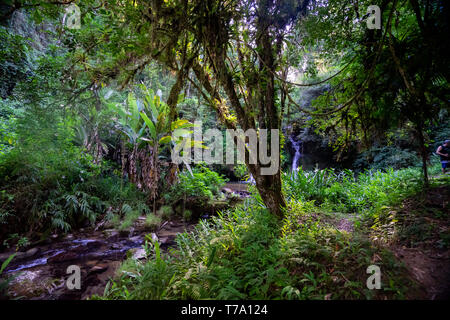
(99, 268)
(95, 256)
(140, 225)
(92, 263)
(171, 234)
(108, 254)
(126, 232)
(99, 254)
(97, 282)
(19, 255)
(164, 240)
(32, 252)
(111, 234)
(63, 257)
(227, 190)
(69, 237)
(104, 277)
(115, 246)
(94, 244)
(137, 253)
(136, 239)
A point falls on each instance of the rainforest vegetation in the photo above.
(96, 96)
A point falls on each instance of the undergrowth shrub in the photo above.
(197, 192)
(58, 192)
(246, 253)
(203, 185)
(5, 280)
(386, 157)
(346, 191)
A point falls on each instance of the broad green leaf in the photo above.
(182, 132)
(150, 125)
(149, 102)
(6, 262)
(165, 139)
(180, 123)
(134, 111)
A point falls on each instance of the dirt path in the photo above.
(431, 270)
(419, 237)
(423, 242)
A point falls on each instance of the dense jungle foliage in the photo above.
(90, 116)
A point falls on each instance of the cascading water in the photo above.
(297, 147)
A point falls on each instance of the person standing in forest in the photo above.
(443, 151)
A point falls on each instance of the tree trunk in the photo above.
(269, 188)
(175, 91)
(156, 177)
(423, 152)
(172, 100)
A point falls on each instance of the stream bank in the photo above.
(41, 271)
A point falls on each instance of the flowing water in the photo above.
(297, 148)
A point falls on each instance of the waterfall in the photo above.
(297, 147)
